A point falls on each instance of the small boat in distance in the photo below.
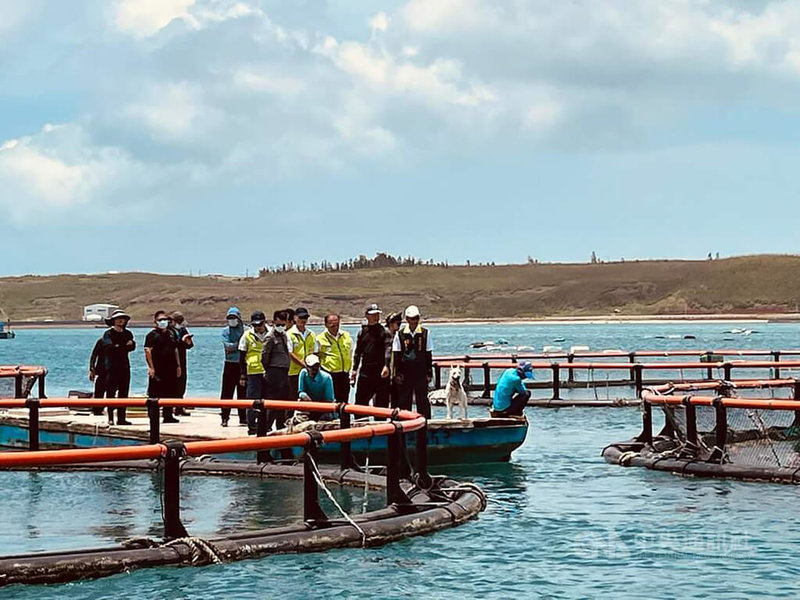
(5, 331)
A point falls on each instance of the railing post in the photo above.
(423, 478)
(155, 422)
(632, 360)
(41, 386)
(487, 381)
(690, 414)
(346, 458)
(776, 356)
(556, 380)
(570, 371)
(312, 511)
(721, 430)
(638, 379)
(437, 376)
(726, 371)
(262, 456)
(394, 493)
(647, 423)
(514, 358)
(709, 370)
(18, 385)
(796, 398)
(173, 527)
(33, 423)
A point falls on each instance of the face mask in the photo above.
(280, 328)
(162, 323)
(233, 322)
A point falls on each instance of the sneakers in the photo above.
(224, 422)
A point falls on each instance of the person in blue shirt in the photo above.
(231, 373)
(510, 394)
(315, 385)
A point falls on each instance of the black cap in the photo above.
(394, 318)
(258, 317)
(302, 313)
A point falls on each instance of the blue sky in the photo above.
(225, 135)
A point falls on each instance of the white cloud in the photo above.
(146, 17)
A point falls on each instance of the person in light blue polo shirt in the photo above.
(510, 394)
(315, 385)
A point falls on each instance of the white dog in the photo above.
(454, 393)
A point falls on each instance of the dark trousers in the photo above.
(341, 386)
(277, 388)
(518, 403)
(231, 374)
(256, 389)
(99, 391)
(117, 385)
(415, 388)
(162, 387)
(370, 384)
(294, 383)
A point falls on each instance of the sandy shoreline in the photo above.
(587, 320)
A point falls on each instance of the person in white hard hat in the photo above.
(412, 353)
(315, 385)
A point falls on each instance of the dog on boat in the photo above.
(454, 393)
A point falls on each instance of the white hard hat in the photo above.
(412, 312)
(312, 360)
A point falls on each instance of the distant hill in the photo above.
(749, 284)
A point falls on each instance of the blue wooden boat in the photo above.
(6, 333)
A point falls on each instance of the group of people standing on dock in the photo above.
(165, 348)
(390, 363)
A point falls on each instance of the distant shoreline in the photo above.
(583, 320)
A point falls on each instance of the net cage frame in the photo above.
(416, 502)
(724, 435)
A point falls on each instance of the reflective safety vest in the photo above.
(300, 347)
(335, 354)
(252, 354)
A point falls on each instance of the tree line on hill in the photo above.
(381, 260)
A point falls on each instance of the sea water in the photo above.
(560, 522)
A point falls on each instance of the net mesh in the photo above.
(7, 385)
(755, 436)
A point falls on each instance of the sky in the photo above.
(222, 136)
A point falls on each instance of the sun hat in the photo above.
(117, 314)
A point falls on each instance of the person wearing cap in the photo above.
(276, 360)
(371, 360)
(301, 343)
(231, 373)
(335, 351)
(163, 363)
(315, 385)
(412, 353)
(185, 342)
(117, 344)
(251, 349)
(510, 394)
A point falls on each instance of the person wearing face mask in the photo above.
(251, 349)
(231, 373)
(276, 360)
(185, 342)
(335, 351)
(301, 343)
(117, 344)
(371, 360)
(163, 363)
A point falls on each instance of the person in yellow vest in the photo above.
(335, 350)
(251, 347)
(301, 343)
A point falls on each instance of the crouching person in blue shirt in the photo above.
(315, 385)
(510, 395)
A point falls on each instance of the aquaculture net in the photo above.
(7, 386)
(756, 437)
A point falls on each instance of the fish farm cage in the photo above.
(416, 502)
(711, 430)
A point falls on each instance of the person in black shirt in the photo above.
(185, 343)
(372, 355)
(117, 344)
(163, 363)
(97, 374)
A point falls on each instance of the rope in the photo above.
(201, 549)
(467, 487)
(321, 483)
(366, 486)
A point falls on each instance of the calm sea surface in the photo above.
(560, 522)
